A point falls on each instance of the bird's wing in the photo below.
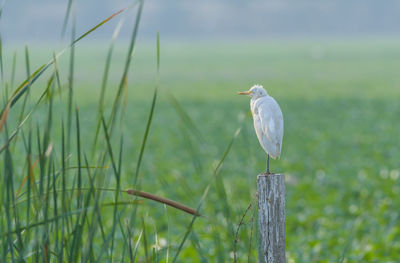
(271, 122)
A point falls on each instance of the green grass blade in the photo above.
(100, 107)
(78, 149)
(117, 193)
(149, 120)
(133, 257)
(70, 88)
(14, 65)
(99, 25)
(8, 183)
(185, 117)
(117, 175)
(55, 212)
(28, 73)
(57, 74)
(1, 61)
(124, 77)
(215, 174)
(63, 194)
(67, 15)
(39, 71)
(145, 245)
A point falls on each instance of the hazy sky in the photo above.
(38, 20)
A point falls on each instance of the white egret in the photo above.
(268, 121)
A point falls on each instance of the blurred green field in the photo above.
(340, 100)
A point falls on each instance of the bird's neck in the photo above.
(257, 97)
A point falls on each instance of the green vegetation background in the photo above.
(340, 156)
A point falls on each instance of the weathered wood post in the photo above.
(271, 218)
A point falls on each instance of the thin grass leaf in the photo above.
(4, 117)
(70, 88)
(149, 120)
(127, 65)
(8, 183)
(100, 108)
(66, 17)
(57, 74)
(78, 149)
(168, 233)
(133, 257)
(92, 224)
(25, 85)
(185, 117)
(196, 244)
(145, 244)
(28, 73)
(39, 71)
(102, 23)
(117, 175)
(193, 152)
(124, 237)
(30, 176)
(55, 212)
(63, 194)
(29, 172)
(128, 202)
(215, 174)
(156, 246)
(109, 148)
(50, 220)
(116, 197)
(46, 200)
(1, 60)
(222, 195)
(14, 64)
(23, 121)
(146, 133)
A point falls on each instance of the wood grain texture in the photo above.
(271, 218)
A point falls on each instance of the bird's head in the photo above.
(256, 91)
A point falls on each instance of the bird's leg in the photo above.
(268, 164)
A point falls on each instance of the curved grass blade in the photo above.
(100, 108)
(215, 174)
(28, 73)
(38, 72)
(14, 64)
(4, 116)
(23, 121)
(184, 116)
(117, 177)
(78, 148)
(100, 24)
(67, 15)
(149, 120)
(1, 60)
(70, 88)
(49, 220)
(133, 256)
(127, 65)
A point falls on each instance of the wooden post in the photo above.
(271, 218)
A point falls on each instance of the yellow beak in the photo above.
(244, 92)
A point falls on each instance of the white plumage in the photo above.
(268, 120)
